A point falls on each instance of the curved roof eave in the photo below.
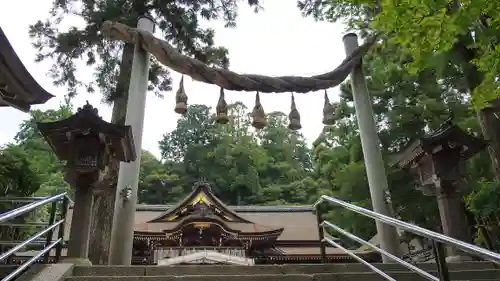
(25, 89)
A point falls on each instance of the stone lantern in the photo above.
(438, 163)
(92, 149)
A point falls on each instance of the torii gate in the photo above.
(146, 43)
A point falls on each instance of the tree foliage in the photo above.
(179, 22)
(243, 166)
(18, 177)
(430, 34)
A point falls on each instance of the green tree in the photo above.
(18, 178)
(243, 166)
(456, 42)
(42, 158)
(195, 128)
(157, 183)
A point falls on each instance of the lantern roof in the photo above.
(86, 119)
(448, 133)
(17, 87)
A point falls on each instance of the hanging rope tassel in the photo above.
(221, 109)
(181, 99)
(294, 117)
(328, 112)
(338, 110)
(258, 114)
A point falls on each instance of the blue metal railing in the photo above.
(437, 239)
(46, 233)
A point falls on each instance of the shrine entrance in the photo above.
(206, 257)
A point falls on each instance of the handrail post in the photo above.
(60, 234)
(48, 239)
(321, 234)
(440, 258)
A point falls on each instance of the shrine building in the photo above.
(200, 229)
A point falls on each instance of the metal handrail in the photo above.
(29, 240)
(436, 238)
(15, 199)
(23, 266)
(47, 232)
(29, 207)
(385, 253)
(15, 242)
(28, 224)
(12, 199)
(466, 247)
(356, 257)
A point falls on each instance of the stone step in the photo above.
(258, 269)
(6, 270)
(477, 275)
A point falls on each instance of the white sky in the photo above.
(276, 41)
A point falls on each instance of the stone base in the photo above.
(76, 261)
(459, 258)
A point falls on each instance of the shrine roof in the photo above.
(17, 87)
(294, 223)
(447, 133)
(297, 226)
(240, 229)
(200, 209)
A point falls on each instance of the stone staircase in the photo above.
(332, 272)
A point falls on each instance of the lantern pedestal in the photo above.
(78, 245)
(453, 217)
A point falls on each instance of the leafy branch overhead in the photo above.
(435, 34)
(179, 22)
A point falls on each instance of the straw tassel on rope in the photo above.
(328, 112)
(221, 109)
(294, 117)
(258, 114)
(181, 98)
(338, 111)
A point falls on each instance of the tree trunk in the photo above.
(489, 127)
(104, 201)
(486, 117)
(488, 120)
